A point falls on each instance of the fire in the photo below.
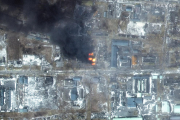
(93, 60)
(93, 64)
(90, 59)
(91, 54)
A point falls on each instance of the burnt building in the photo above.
(49, 80)
(114, 49)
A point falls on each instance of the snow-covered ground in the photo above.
(136, 28)
(13, 100)
(3, 52)
(38, 97)
(31, 60)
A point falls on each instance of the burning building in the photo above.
(92, 59)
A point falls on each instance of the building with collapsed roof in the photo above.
(124, 53)
(125, 61)
(72, 93)
(49, 80)
(134, 60)
(114, 49)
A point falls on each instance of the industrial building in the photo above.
(2, 90)
(6, 95)
(114, 49)
(77, 78)
(74, 94)
(165, 107)
(23, 80)
(175, 118)
(70, 83)
(177, 109)
(149, 61)
(141, 84)
(133, 102)
(124, 53)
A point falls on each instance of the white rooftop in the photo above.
(177, 109)
(165, 107)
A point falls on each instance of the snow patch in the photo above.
(31, 59)
(136, 28)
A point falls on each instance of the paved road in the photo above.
(99, 71)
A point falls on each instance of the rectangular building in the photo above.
(114, 49)
(141, 84)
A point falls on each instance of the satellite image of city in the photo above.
(89, 59)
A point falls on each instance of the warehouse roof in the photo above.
(23, 80)
(177, 109)
(74, 95)
(165, 107)
(175, 118)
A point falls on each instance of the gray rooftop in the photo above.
(114, 50)
(74, 95)
(2, 95)
(77, 78)
(23, 80)
(132, 102)
(175, 118)
(120, 42)
(81, 93)
(9, 84)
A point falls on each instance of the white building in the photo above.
(165, 107)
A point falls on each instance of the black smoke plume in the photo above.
(73, 44)
(59, 19)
